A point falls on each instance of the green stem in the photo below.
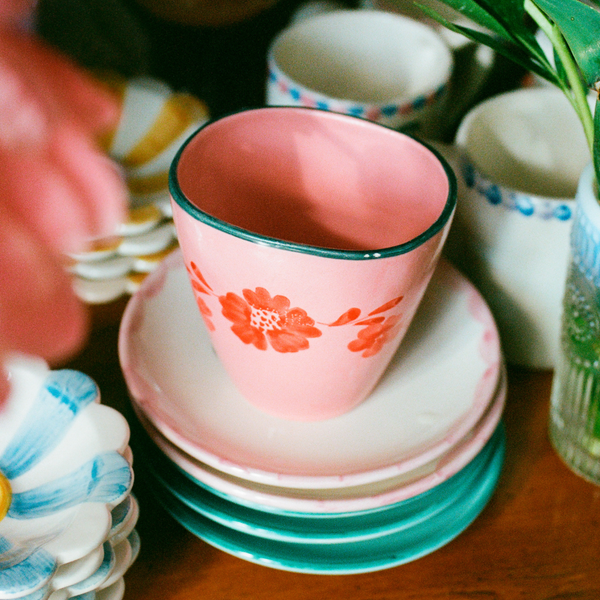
(575, 91)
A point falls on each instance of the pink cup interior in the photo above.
(315, 178)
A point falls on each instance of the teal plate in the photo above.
(418, 538)
(310, 527)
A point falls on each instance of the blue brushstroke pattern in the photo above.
(11, 554)
(88, 596)
(5, 545)
(100, 575)
(120, 512)
(64, 394)
(30, 574)
(38, 595)
(106, 478)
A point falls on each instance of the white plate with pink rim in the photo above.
(360, 498)
(436, 389)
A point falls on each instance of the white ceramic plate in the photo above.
(436, 389)
(65, 460)
(362, 498)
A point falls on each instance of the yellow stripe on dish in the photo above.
(140, 215)
(5, 496)
(149, 184)
(177, 114)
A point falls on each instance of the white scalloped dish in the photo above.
(64, 467)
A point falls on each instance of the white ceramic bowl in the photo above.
(372, 64)
(64, 466)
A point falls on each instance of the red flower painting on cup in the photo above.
(378, 331)
(262, 320)
(259, 319)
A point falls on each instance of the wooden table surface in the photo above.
(537, 539)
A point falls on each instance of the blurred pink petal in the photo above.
(15, 11)
(50, 90)
(39, 313)
(71, 195)
(58, 189)
(96, 178)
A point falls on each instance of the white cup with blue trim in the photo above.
(521, 156)
(372, 64)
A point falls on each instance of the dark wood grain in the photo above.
(537, 539)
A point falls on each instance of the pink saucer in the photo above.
(439, 386)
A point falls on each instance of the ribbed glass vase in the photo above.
(575, 402)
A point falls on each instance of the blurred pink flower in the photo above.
(57, 189)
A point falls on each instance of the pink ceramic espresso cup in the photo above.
(309, 238)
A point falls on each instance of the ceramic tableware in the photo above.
(154, 122)
(472, 62)
(380, 66)
(310, 528)
(523, 153)
(117, 560)
(98, 570)
(115, 591)
(110, 561)
(74, 572)
(366, 498)
(124, 517)
(309, 238)
(64, 466)
(419, 411)
(420, 537)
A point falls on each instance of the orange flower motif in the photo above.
(199, 286)
(378, 331)
(205, 312)
(259, 319)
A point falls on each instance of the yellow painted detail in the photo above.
(5, 496)
(150, 213)
(177, 114)
(152, 260)
(149, 184)
(107, 244)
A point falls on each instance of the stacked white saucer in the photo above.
(394, 479)
(67, 516)
(154, 122)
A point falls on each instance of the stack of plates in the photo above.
(154, 122)
(112, 267)
(394, 479)
(67, 515)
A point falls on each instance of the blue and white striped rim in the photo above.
(373, 112)
(527, 205)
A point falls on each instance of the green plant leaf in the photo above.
(508, 48)
(472, 10)
(579, 23)
(508, 12)
(522, 56)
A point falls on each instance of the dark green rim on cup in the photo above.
(181, 199)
